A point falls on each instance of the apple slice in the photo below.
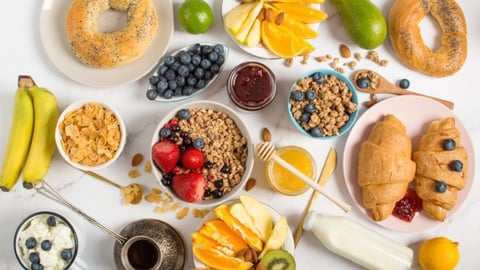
(242, 33)
(238, 15)
(238, 211)
(262, 219)
(278, 236)
(255, 35)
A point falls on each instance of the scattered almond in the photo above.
(269, 16)
(251, 182)
(345, 51)
(280, 17)
(137, 159)
(266, 135)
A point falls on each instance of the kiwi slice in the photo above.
(278, 259)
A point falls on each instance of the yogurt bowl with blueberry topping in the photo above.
(45, 240)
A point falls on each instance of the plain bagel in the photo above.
(107, 50)
(407, 42)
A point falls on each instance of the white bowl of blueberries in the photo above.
(186, 72)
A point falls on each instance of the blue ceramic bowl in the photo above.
(352, 116)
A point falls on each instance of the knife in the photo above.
(327, 170)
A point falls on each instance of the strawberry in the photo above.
(165, 155)
(190, 187)
(192, 158)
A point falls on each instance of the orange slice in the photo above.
(301, 12)
(291, 23)
(296, 1)
(218, 260)
(223, 213)
(218, 230)
(283, 42)
(206, 242)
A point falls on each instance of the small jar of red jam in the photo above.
(251, 86)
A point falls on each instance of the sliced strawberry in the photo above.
(192, 158)
(165, 155)
(190, 187)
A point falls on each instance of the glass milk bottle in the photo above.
(358, 243)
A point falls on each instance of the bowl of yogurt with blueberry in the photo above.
(45, 240)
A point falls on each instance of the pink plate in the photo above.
(416, 113)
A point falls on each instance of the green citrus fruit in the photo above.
(195, 16)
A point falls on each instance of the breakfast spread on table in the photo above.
(202, 155)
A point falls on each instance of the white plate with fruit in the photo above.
(242, 234)
(273, 28)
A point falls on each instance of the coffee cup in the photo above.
(141, 252)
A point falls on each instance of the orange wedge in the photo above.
(301, 12)
(296, 1)
(299, 28)
(218, 230)
(208, 243)
(217, 260)
(223, 213)
(283, 42)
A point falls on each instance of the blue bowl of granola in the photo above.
(323, 104)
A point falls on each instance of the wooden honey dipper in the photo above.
(266, 151)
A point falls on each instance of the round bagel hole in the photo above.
(112, 21)
(431, 32)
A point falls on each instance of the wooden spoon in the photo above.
(266, 151)
(132, 187)
(384, 86)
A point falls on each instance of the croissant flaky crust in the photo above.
(385, 168)
(441, 167)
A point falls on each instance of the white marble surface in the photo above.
(22, 53)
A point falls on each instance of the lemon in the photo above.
(195, 16)
(439, 253)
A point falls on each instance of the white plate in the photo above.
(53, 36)
(288, 245)
(415, 120)
(260, 50)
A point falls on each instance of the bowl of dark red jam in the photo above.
(251, 86)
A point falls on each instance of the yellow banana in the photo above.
(43, 146)
(19, 138)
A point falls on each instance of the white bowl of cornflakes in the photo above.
(90, 135)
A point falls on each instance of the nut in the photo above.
(280, 17)
(251, 182)
(345, 51)
(137, 159)
(266, 135)
(269, 16)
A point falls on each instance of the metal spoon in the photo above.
(138, 195)
(384, 86)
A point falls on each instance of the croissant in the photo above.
(441, 168)
(385, 168)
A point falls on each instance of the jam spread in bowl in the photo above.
(251, 86)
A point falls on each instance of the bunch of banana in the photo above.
(31, 142)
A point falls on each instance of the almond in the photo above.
(345, 51)
(251, 182)
(269, 15)
(280, 17)
(266, 135)
(137, 159)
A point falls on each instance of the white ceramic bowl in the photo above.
(58, 137)
(248, 165)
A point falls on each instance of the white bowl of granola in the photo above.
(323, 104)
(90, 135)
(202, 154)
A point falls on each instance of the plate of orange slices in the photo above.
(238, 234)
(273, 28)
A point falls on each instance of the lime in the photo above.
(438, 253)
(195, 16)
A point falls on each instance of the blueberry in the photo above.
(183, 114)
(298, 95)
(316, 132)
(217, 193)
(440, 186)
(220, 60)
(185, 58)
(187, 142)
(207, 193)
(191, 67)
(178, 91)
(198, 143)
(181, 81)
(196, 59)
(176, 128)
(187, 90)
(66, 254)
(165, 132)
(215, 68)
(208, 75)
(209, 165)
(173, 138)
(46, 245)
(205, 63)
(184, 134)
(34, 257)
(206, 49)
(154, 80)
(36, 266)
(310, 108)
(152, 94)
(200, 84)
(162, 85)
(172, 84)
(168, 94)
(175, 66)
(183, 70)
(196, 48)
(199, 73)
(218, 183)
(169, 60)
(305, 117)
(167, 179)
(170, 75)
(218, 48)
(162, 69)
(191, 80)
(404, 83)
(226, 169)
(310, 95)
(456, 166)
(213, 56)
(30, 243)
(449, 144)
(318, 77)
(363, 82)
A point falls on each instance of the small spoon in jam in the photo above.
(382, 85)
